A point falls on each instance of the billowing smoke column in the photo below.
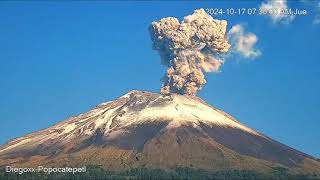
(189, 49)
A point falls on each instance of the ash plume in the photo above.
(189, 48)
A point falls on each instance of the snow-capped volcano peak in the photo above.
(163, 130)
(131, 109)
(177, 109)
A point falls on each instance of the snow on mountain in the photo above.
(176, 109)
(143, 129)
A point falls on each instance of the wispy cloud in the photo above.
(243, 43)
(316, 19)
(274, 8)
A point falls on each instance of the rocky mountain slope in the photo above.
(149, 130)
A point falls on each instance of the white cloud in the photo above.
(274, 8)
(243, 43)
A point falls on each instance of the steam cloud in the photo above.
(189, 49)
(278, 5)
(243, 43)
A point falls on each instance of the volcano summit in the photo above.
(154, 131)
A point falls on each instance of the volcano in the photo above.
(153, 131)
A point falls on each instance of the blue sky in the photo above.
(61, 59)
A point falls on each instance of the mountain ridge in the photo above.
(149, 130)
